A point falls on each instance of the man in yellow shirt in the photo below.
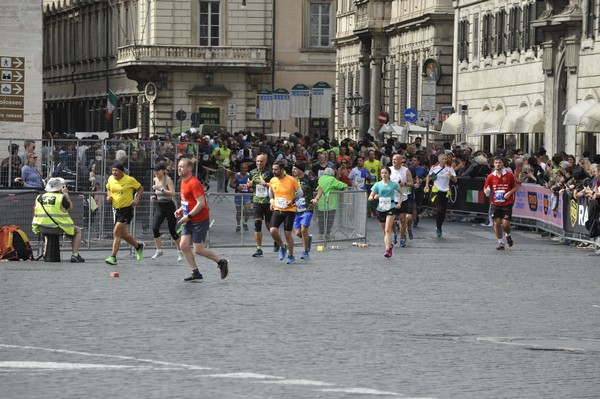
(284, 191)
(120, 188)
(374, 167)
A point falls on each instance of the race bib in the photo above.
(359, 181)
(385, 204)
(184, 208)
(281, 203)
(225, 162)
(262, 191)
(499, 196)
(300, 205)
(205, 157)
(243, 188)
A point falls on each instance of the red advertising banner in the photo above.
(535, 202)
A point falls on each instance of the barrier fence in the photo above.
(346, 221)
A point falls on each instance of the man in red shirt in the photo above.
(501, 185)
(195, 220)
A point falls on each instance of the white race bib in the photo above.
(499, 196)
(281, 203)
(300, 205)
(184, 208)
(385, 204)
(205, 157)
(262, 191)
(359, 181)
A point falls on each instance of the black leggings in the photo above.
(441, 205)
(165, 210)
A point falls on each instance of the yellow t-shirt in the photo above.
(374, 169)
(284, 190)
(122, 190)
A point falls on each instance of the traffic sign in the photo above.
(181, 115)
(12, 88)
(410, 115)
(383, 117)
(231, 111)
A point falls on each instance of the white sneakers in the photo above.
(159, 253)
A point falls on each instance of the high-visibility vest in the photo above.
(53, 205)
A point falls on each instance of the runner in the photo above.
(440, 174)
(259, 180)
(164, 197)
(196, 220)
(304, 207)
(284, 193)
(419, 173)
(384, 191)
(401, 175)
(243, 204)
(501, 185)
(374, 167)
(119, 191)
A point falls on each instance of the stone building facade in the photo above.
(204, 57)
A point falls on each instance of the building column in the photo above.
(375, 94)
(365, 73)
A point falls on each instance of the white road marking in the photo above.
(7, 366)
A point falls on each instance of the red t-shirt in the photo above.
(500, 185)
(190, 190)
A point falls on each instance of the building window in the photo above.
(487, 35)
(591, 19)
(527, 31)
(514, 29)
(501, 32)
(463, 41)
(476, 37)
(320, 25)
(210, 23)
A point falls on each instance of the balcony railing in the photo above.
(192, 56)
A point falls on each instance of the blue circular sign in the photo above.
(410, 115)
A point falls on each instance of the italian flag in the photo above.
(475, 197)
(111, 103)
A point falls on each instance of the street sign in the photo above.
(12, 88)
(383, 117)
(428, 103)
(181, 115)
(410, 115)
(231, 111)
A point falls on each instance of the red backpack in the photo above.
(14, 244)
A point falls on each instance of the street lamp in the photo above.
(354, 104)
(243, 6)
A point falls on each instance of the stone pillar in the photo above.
(363, 119)
(375, 95)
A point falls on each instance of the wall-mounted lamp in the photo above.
(354, 104)
(243, 6)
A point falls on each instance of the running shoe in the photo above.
(438, 233)
(310, 237)
(402, 243)
(157, 254)
(305, 255)
(76, 258)
(282, 252)
(387, 253)
(395, 239)
(139, 252)
(111, 260)
(179, 256)
(276, 247)
(291, 259)
(245, 227)
(258, 253)
(410, 234)
(223, 265)
(196, 277)
(238, 229)
(500, 247)
(509, 241)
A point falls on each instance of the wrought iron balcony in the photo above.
(192, 56)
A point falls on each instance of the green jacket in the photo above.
(329, 201)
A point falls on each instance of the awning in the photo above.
(574, 114)
(531, 122)
(419, 129)
(386, 128)
(488, 131)
(494, 119)
(452, 125)
(508, 123)
(475, 122)
(590, 121)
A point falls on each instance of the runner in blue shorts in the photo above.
(304, 207)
